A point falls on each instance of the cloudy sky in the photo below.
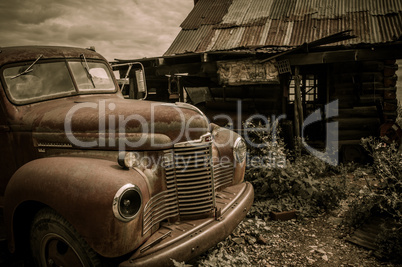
(123, 29)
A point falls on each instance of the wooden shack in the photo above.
(285, 57)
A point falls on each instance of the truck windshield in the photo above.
(92, 75)
(47, 80)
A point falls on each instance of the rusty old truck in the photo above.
(90, 178)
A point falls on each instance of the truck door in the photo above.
(7, 160)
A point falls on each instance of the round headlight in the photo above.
(127, 202)
(239, 150)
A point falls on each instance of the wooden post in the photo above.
(284, 81)
(328, 83)
(298, 107)
(298, 102)
(296, 119)
(180, 88)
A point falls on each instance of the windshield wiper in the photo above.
(86, 68)
(27, 70)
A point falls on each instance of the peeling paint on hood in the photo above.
(98, 122)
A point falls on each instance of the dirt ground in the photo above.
(319, 241)
(312, 242)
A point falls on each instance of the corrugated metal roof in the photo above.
(206, 12)
(215, 25)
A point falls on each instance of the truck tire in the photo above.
(54, 242)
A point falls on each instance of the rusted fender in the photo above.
(224, 140)
(194, 242)
(82, 191)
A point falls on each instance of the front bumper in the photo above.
(185, 240)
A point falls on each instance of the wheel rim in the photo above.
(56, 251)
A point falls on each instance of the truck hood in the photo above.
(96, 122)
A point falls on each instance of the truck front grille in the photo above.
(223, 175)
(189, 182)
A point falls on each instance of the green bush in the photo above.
(284, 181)
(385, 198)
(387, 166)
(382, 197)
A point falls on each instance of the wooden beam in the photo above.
(375, 53)
(193, 69)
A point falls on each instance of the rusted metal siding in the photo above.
(247, 13)
(191, 40)
(234, 24)
(206, 12)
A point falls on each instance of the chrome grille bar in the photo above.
(223, 174)
(194, 179)
(190, 184)
(160, 207)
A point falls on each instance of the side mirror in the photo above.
(133, 86)
(140, 77)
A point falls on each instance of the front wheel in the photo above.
(54, 242)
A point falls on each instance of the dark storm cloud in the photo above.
(118, 29)
(28, 12)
